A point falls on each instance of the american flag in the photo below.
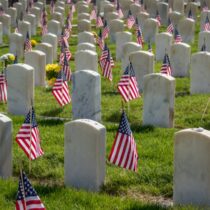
(207, 24)
(190, 14)
(27, 44)
(66, 69)
(66, 51)
(127, 85)
(105, 54)
(27, 198)
(139, 37)
(28, 136)
(205, 7)
(52, 6)
(44, 29)
(68, 1)
(105, 32)
(99, 22)
(16, 26)
(93, 14)
(107, 67)
(60, 90)
(130, 20)
(166, 66)
(119, 10)
(31, 3)
(136, 25)
(177, 36)
(68, 23)
(63, 40)
(70, 15)
(3, 88)
(73, 9)
(170, 28)
(203, 47)
(27, 9)
(158, 18)
(100, 40)
(43, 16)
(124, 151)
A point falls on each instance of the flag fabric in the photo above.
(27, 44)
(68, 1)
(28, 136)
(205, 7)
(127, 86)
(44, 29)
(170, 28)
(99, 22)
(124, 150)
(3, 88)
(158, 18)
(68, 23)
(93, 14)
(60, 90)
(27, 198)
(63, 40)
(66, 69)
(166, 66)
(130, 20)
(139, 37)
(73, 9)
(70, 15)
(106, 66)
(136, 25)
(177, 36)
(203, 47)
(119, 10)
(105, 32)
(64, 50)
(1, 10)
(207, 24)
(104, 56)
(16, 26)
(100, 40)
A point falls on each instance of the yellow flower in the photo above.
(33, 43)
(51, 81)
(11, 57)
(57, 68)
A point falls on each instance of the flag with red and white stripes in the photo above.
(100, 40)
(3, 88)
(27, 198)
(170, 28)
(52, 6)
(124, 150)
(61, 90)
(93, 14)
(177, 36)
(28, 136)
(139, 37)
(158, 18)
(27, 44)
(105, 54)
(1, 10)
(119, 10)
(73, 9)
(66, 68)
(166, 66)
(207, 24)
(127, 86)
(99, 22)
(130, 20)
(205, 7)
(64, 51)
(105, 32)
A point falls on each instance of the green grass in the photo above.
(122, 189)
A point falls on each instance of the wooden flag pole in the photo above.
(30, 135)
(21, 176)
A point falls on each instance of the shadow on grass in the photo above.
(53, 112)
(182, 94)
(145, 207)
(110, 93)
(114, 117)
(136, 127)
(49, 122)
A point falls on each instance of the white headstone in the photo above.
(37, 59)
(20, 79)
(200, 77)
(85, 154)
(142, 17)
(54, 27)
(86, 95)
(6, 21)
(180, 67)
(85, 16)
(143, 64)
(151, 6)
(24, 27)
(204, 14)
(58, 17)
(13, 14)
(53, 40)
(86, 59)
(159, 93)
(16, 44)
(150, 30)
(186, 29)
(47, 49)
(31, 18)
(19, 8)
(163, 43)
(163, 12)
(204, 37)
(86, 46)
(84, 25)
(86, 37)
(135, 9)
(191, 167)
(6, 146)
(37, 12)
(178, 6)
(83, 9)
(116, 25)
(128, 48)
(121, 39)
(175, 17)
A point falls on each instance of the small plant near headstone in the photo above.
(52, 71)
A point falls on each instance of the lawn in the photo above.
(153, 182)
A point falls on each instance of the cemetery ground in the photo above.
(150, 188)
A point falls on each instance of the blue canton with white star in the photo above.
(124, 126)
